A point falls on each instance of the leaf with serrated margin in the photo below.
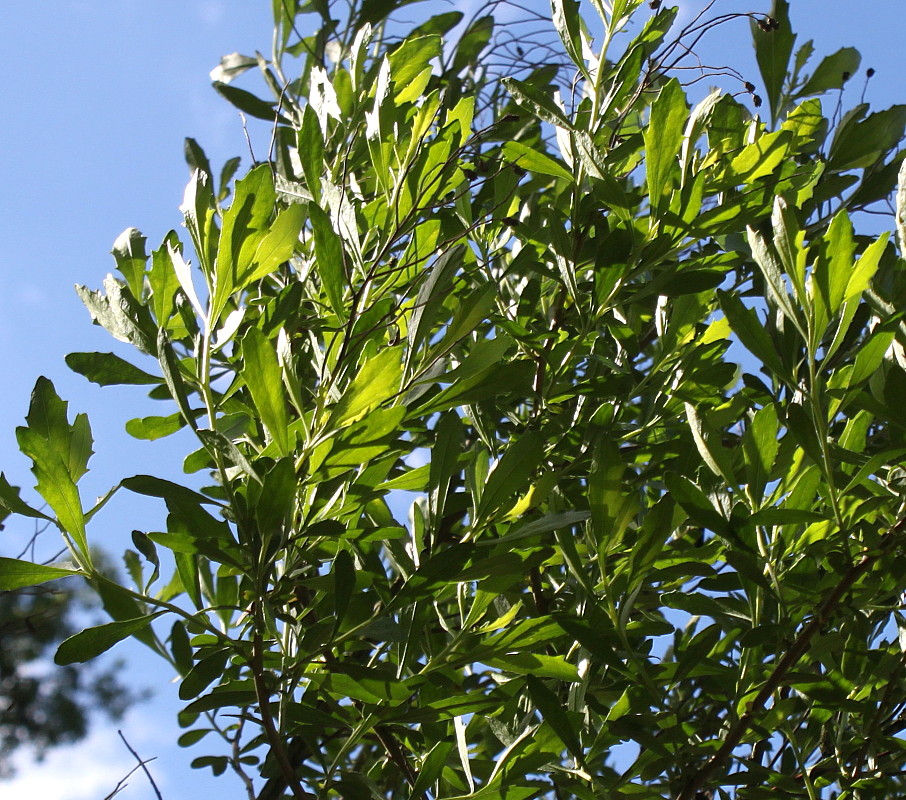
(119, 313)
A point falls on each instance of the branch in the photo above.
(787, 662)
(267, 720)
(141, 763)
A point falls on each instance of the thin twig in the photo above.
(143, 764)
(121, 784)
(788, 661)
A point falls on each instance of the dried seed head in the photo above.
(756, 100)
(846, 76)
(655, 5)
(469, 173)
(869, 72)
(750, 87)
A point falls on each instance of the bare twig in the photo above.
(142, 763)
(121, 784)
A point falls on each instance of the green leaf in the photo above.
(343, 585)
(540, 666)
(226, 451)
(107, 369)
(16, 574)
(495, 381)
(901, 209)
(59, 454)
(472, 42)
(833, 71)
(247, 102)
(866, 267)
(181, 647)
(773, 49)
(277, 246)
(536, 103)
(663, 139)
(832, 271)
(120, 314)
(146, 547)
(150, 486)
(262, 377)
(91, 642)
(329, 258)
(568, 22)
(511, 474)
(761, 445)
(545, 524)
(410, 66)
(471, 311)
(10, 500)
(431, 295)
(162, 279)
(746, 325)
(770, 267)
(202, 674)
(171, 369)
(376, 382)
(152, 428)
(310, 145)
(530, 159)
(244, 224)
(130, 256)
(553, 713)
(861, 142)
(695, 503)
(193, 152)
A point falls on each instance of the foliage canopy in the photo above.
(631, 359)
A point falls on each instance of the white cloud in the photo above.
(211, 12)
(89, 770)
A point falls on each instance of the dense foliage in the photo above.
(627, 362)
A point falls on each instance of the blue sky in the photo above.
(98, 97)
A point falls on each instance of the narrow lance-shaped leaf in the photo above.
(244, 224)
(377, 381)
(16, 574)
(567, 21)
(108, 369)
(530, 159)
(91, 642)
(328, 258)
(173, 377)
(310, 145)
(773, 48)
(511, 474)
(277, 246)
(663, 139)
(261, 374)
